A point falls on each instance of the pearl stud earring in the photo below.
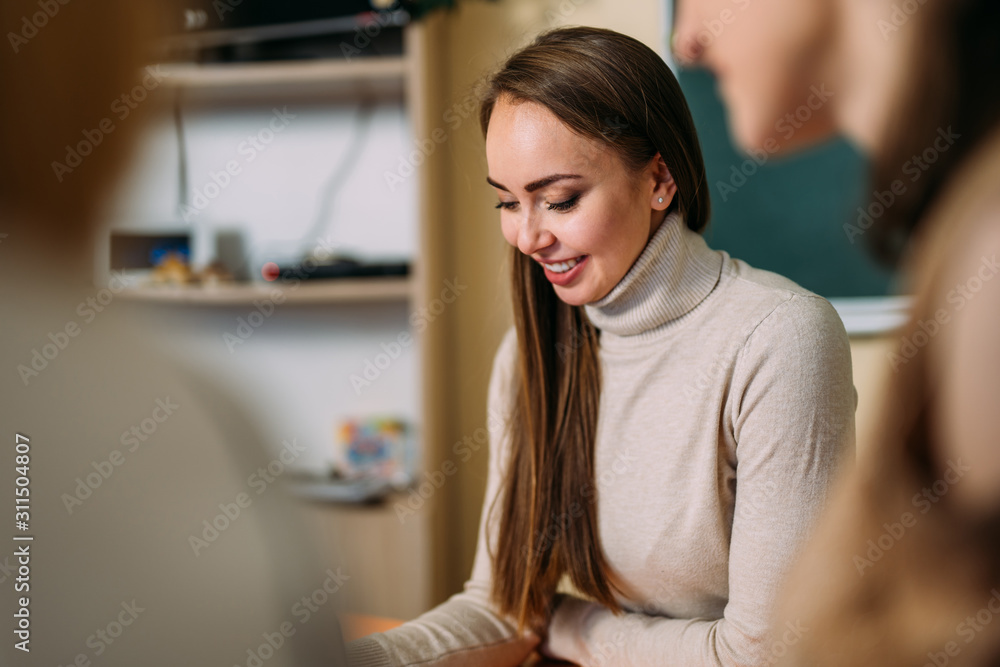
(661, 200)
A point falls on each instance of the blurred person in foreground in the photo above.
(905, 568)
(127, 470)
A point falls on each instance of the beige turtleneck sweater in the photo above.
(727, 403)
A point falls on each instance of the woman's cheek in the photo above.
(509, 229)
(589, 232)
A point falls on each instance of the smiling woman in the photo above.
(673, 417)
(617, 216)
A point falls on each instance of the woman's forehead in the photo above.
(525, 142)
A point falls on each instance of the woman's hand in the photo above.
(561, 642)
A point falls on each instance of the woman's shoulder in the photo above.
(760, 284)
(792, 340)
(772, 306)
(504, 360)
(507, 348)
(505, 355)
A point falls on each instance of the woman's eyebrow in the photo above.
(535, 185)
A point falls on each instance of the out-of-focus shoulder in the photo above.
(508, 345)
(506, 353)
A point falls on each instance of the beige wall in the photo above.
(870, 356)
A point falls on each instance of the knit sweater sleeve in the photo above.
(466, 629)
(791, 414)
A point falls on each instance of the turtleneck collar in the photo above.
(673, 274)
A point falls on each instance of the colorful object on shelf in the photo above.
(269, 271)
(375, 447)
(172, 268)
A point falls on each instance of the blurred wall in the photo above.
(871, 370)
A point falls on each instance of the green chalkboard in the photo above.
(788, 215)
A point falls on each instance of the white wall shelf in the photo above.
(873, 316)
(383, 76)
(347, 290)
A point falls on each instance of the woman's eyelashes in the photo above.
(564, 205)
(554, 206)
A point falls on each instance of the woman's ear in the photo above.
(664, 187)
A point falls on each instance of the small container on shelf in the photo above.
(375, 447)
(373, 456)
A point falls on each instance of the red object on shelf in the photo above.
(269, 271)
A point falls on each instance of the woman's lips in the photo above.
(566, 277)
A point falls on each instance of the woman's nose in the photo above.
(531, 234)
(684, 41)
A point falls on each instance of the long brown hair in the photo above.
(950, 86)
(890, 576)
(611, 88)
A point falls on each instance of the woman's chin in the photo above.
(750, 136)
(574, 296)
(580, 295)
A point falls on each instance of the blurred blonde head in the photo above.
(64, 65)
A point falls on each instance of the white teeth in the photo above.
(562, 267)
